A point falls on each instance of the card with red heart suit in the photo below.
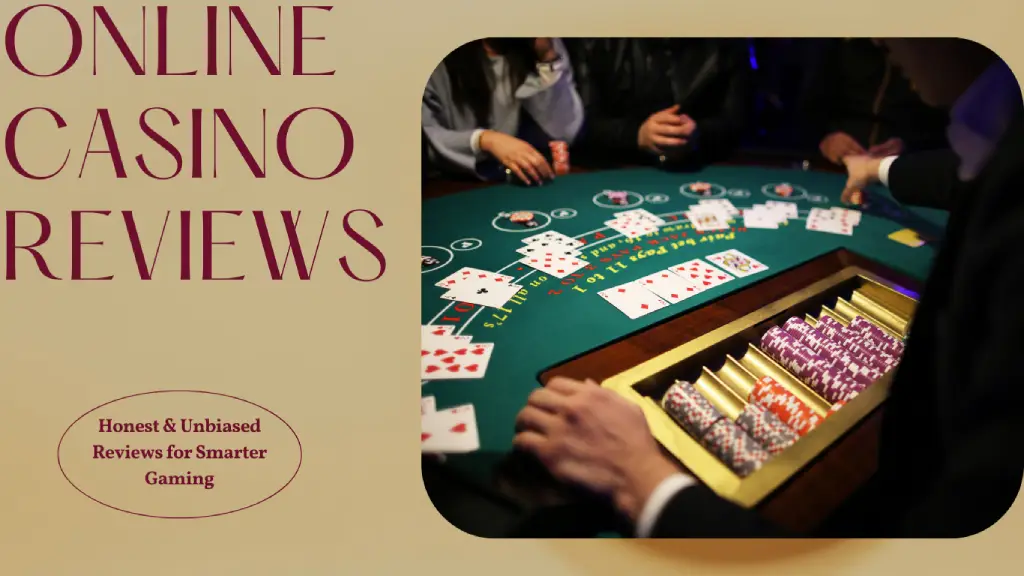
(703, 275)
(452, 430)
(468, 274)
(462, 362)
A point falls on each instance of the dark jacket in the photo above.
(852, 87)
(623, 81)
(950, 452)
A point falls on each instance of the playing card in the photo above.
(736, 262)
(722, 204)
(787, 208)
(556, 237)
(468, 274)
(640, 214)
(706, 218)
(822, 220)
(436, 330)
(632, 228)
(456, 362)
(557, 266)
(428, 404)
(701, 274)
(632, 300)
(847, 215)
(482, 293)
(545, 248)
(669, 286)
(452, 430)
(761, 217)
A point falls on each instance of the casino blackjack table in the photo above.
(720, 301)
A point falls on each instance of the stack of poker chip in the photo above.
(830, 351)
(831, 381)
(702, 188)
(784, 190)
(716, 433)
(798, 416)
(617, 197)
(522, 217)
(766, 428)
(886, 343)
(560, 157)
(857, 345)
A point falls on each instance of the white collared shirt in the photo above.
(978, 121)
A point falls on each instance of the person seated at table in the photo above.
(948, 462)
(674, 103)
(856, 103)
(494, 104)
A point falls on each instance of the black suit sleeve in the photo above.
(926, 179)
(697, 512)
(719, 134)
(606, 132)
(981, 472)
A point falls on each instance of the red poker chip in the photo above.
(520, 217)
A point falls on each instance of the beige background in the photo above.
(324, 355)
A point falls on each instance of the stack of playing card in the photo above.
(769, 215)
(661, 289)
(479, 287)
(552, 253)
(635, 223)
(448, 431)
(444, 356)
(833, 220)
(711, 215)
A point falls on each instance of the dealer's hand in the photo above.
(591, 436)
(861, 172)
(517, 155)
(665, 129)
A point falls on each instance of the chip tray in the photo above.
(724, 364)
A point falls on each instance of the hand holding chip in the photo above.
(861, 172)
(518, 156)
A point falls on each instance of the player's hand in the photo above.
(591, 436)
(838, 145)
(861, 171)
(545, 49)
(665, 129)
(891, 147)
(517, 155)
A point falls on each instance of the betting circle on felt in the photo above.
(560, 319)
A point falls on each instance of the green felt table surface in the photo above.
(553, 320)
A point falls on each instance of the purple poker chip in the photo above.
(853, 343)
(829, 381)
(886, 343)
(835, 354)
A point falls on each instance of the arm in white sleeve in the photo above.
(551, 98)
(883, 169)
(657, 501)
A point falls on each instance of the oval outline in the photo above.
(271, 412)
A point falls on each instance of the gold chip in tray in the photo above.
(724, 364)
